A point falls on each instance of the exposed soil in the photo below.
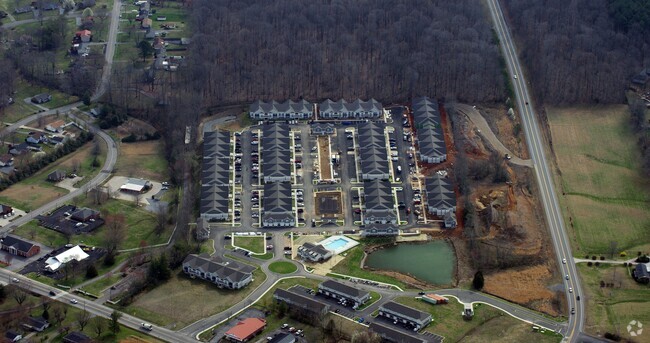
(134, 126)
(507, 129)
(524, 286)
(324, 160)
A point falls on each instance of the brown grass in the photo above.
(324, 161)
(142, 159)
(522, 286)
(31, 196)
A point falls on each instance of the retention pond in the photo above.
(431, 262)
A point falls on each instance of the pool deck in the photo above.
(350, 243)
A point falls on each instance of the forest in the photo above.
(581, 51)
(389, 50)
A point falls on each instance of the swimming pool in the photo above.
(338, 244)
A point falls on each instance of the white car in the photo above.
(515, 77)
(15, 280)
(570, 290)
(564, 260)
(73, 301)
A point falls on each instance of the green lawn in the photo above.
(374, 297)
(102, 283)
(282, 267)
(447, 318)
(172, 13)
(140, 227)
(253, 244)
(604, 196)
(351, 266)
(610, 309)
(78, 276)
(161, 305)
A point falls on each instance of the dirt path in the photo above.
(475, 117)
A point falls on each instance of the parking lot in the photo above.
(307, 164)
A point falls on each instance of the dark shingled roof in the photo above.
(17, 243)
(391, 335)
(344, 289)
(405, 310)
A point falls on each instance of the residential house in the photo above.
(36, 138)
(223, 273)
(428, 129)
(287, 110)
(77, 337)
(85, 215)
(322, 129)
(56, 140)
(313, 252)
(19, 247)
(278, 205)
(56, 176)
(84, 36)
(391, 335)
(13, 336)
(276, 153)
(23, 9)
(146, 23)
(405, 315)
(379, 203)
(373, 153)
(56, 126)
(158, 45)
(41, 98)
(36, 324)
(6, 160)
(22, 148)
(372, 230)
(50, 6)
(341, 291)
(216, 184)
(441, 198)
(245, 330)
(6, 210)
(357, 109)
(641, 274)
(309, 308)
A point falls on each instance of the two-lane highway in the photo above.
(542, 172)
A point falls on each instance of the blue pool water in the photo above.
(336, 244)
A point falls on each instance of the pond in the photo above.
(431, 262)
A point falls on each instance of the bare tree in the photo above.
(98, 325)
(59, 312)
(160, 210)
(82, 319)
(19, 295)
(115, 232)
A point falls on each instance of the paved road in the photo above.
(104, 83)
(91, 307)
(543, 174)
(486, 132)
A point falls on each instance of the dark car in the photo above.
(421, 293)
(52, 293)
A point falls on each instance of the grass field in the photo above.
(610, 309)
(447, 319)
(161, 305)
(140, 227)
(506, 329)
(254, 244)
(102, 283)
(142, 159)
(606, 197)
(282, 267)
(351, 266)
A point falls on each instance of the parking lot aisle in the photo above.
(247, 219)
(344, 173)
(307, 173)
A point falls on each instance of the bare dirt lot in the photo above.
(324, 158)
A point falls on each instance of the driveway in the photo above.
(477, 119)
(69, 183)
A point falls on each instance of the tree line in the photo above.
(387, 50)
(580, 51)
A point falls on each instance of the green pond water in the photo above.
(431, 262)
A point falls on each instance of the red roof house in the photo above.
(246, 329)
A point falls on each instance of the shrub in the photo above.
(597, 264)
(589, 264)
(602, 258)
(91, 271)
(593, 257)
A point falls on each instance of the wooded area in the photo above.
(581, 51)
(383, 49)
